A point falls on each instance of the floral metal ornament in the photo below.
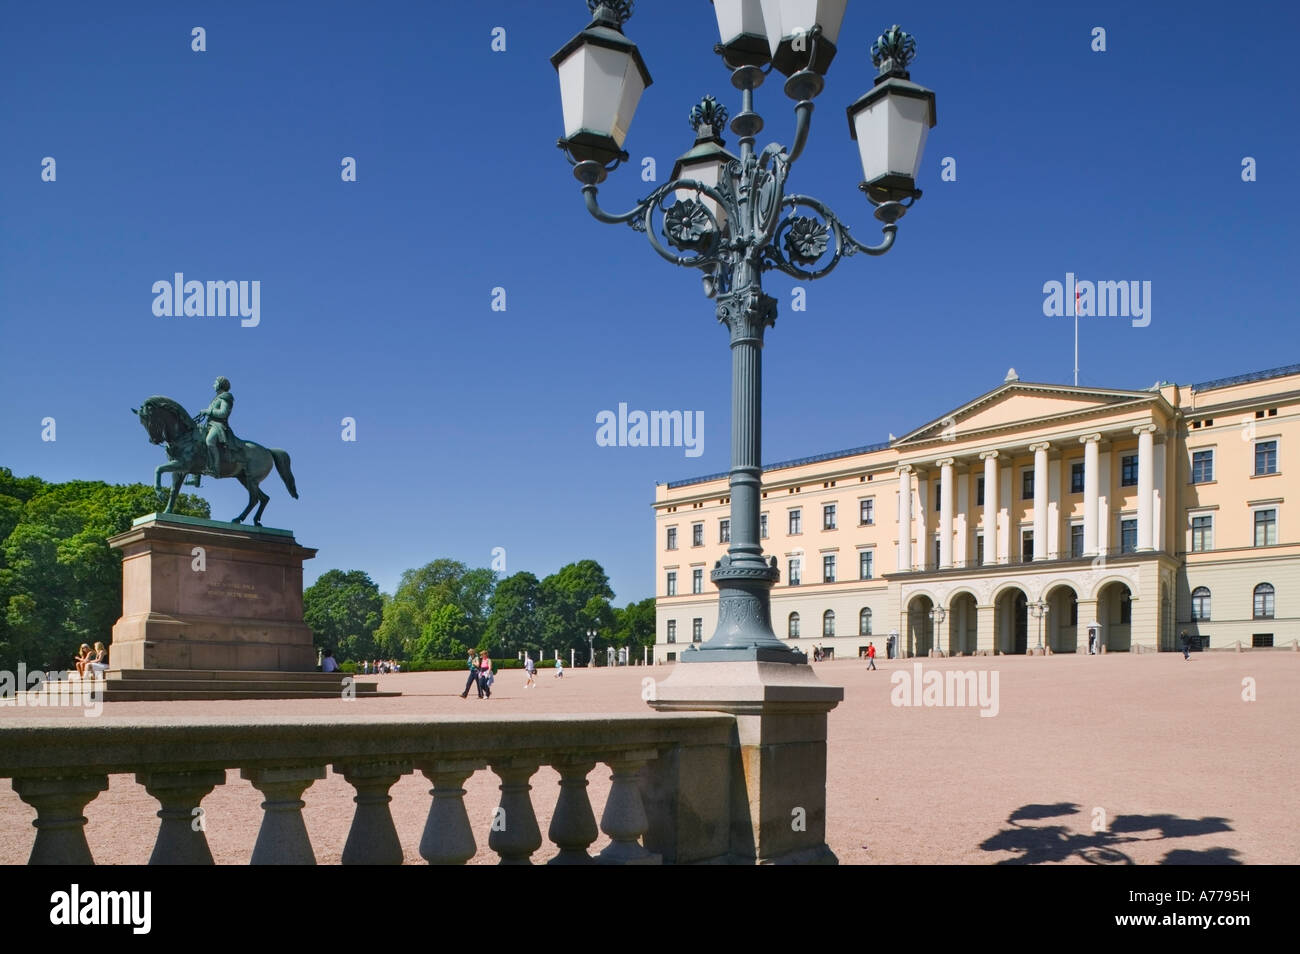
(709, 112)
(616, 12)
(688, 225)
(893, 51)
(806, 239)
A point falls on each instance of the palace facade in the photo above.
(1036, 515)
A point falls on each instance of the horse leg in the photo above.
(251, 500)
(177, 477)
(265, 498)
(157, 475)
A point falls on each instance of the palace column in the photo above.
(961, 520)
(1040, 500)
(990, 459)
(905, 518)
(1146, 483)
(945, 513)
(1091, 482)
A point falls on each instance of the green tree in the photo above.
(634, 624)
(572, 600)
(513, 623)
(417, 624)
(344, 609)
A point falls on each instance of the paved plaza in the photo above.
(1114, 759)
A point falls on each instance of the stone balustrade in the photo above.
(686, 761)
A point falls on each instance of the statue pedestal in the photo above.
(203, 594)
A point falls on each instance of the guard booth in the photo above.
(1094, 637)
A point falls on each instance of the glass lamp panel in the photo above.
(707, 173)
(785, 18)
(739, 17)
(891, 134)
(599, 91)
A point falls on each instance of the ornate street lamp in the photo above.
(1039, 609)
(730, 217)
(938, 614)
(591, 648)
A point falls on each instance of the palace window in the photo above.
(1265, 528)
(697, 630)
(1076, 540)
(1202, 466)
(697, 581)
(724, 531)
(1200, 604)
(1128, 474)
(1128, 536)
(828, 623)
(795, 571)
(672, 539)
(1264, 601)
(864, 621)
(866, 564)
(796, 525)
(1202, 533)
(867, 511)
(792, 626)
(979, 549)
(672, 583)
(1026, 546)
(979, 491)
(828, 568)
(1027, 485)
(697, 534)
(1076, 477)
(828, 517)
(762, 526)
(1265, 458)
(672, 631)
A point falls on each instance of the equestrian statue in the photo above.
(205, 445)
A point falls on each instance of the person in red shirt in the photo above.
(871, 655)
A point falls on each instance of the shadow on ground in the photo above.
(1033, 844)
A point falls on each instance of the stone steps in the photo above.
(164, 685)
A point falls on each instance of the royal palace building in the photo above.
(1036, 515)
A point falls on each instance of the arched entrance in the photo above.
(1115, 613)
(962, 624)
(920, 628)
(1061, 627)
(1011, 621)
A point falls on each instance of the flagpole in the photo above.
(1076, 338)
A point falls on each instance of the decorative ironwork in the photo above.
(614, 12)
(893, 51)
(806, 239)
(709, 112)
(687, 224)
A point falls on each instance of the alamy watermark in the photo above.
(651, 429)
(952, 688)
(39, 689)
(1123, 299)
(193, 299)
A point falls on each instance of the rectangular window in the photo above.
(1027, 485)
(697, 581)
(1202, 533)
(795, 523)
(1128, 536)
(866, 564)
(1026, 545)
(795, 571)
(697, 630)
(979, 549)
(938, 496)
(762, 526)
(1076, 540)
(1076, 477)
(1202, 466)
(697, 534)
(724, 531)
(672, 538)
(979, 491)
(867, 511)
(672, 631)
(828, 568)
(1261, 641)
(828, 517)
(1128, 471)
(672, 583)
(1265, 528)
(937, 559)
(1265, 458)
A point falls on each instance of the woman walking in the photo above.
(485, 675)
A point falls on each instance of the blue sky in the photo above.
(475, 428)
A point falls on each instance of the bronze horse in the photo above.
(170, 424)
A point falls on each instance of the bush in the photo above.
(349, 667)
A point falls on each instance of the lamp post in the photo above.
(1038, 609)
(938, 614)
(731, 217)
(591, 649)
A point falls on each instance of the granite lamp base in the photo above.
(203, 594)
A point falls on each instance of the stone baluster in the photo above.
(515, 835)
(573, 826)
(283, 839)
(181, 830)
(60, 824)
(624, 818)
(372, 839)
(448, 837)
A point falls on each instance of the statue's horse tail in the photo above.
(281, 459)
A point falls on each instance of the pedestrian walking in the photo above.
(871, 655)
(559, 668)
(530, 667)
(485, 675)
(1187, 645)
(472, 663)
